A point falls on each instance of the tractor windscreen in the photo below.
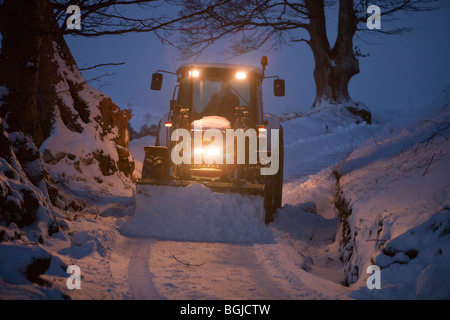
(220, 97)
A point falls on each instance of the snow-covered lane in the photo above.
(296, 259)
(293, 258)
(160, 269)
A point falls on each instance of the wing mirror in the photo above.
(157, 79)
(278, 88)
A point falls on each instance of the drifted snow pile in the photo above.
(195, 213)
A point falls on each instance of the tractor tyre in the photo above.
(273, 189)
(279, 176)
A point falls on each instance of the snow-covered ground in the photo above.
(394, 180)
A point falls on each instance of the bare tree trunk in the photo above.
(321, 50)
(24, 27)
(346, 65)
(334, 67)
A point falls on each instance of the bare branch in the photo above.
(195, 25)
(102, 65)
(187, 264)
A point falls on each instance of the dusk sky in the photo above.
(401, 72)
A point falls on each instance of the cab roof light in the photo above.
(241, 75)
(194, 73)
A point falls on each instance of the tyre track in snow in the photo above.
(164, 269)
(199, 270)
(140, 276)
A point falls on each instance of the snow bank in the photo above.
(318, 189)
(397, 186)
(22, 264)
(195, 213)
(321, 138)
(301, 222)
(82, 245)
(15, 262)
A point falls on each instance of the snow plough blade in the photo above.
(243, 188)
(193, 211)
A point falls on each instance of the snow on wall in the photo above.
(72, 157)
(398, 189)
(21, 202)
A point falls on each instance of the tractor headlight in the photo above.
(199, 150)
(211, 151)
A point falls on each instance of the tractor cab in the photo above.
(216, 133)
